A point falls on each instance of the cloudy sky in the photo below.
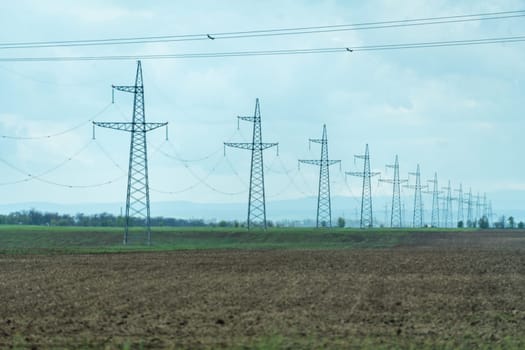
(456, 111)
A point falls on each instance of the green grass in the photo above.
(42, 239)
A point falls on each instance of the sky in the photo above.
(456, 111)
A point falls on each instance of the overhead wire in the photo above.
(39, 176)
(267, 32)
(347, 186)
(92, 185)
(185, 189)
(109, 157)
(200, 180)
(60, 133)
(47, 82)
(30, 176)
(281, 52)
(292, 179)
(235, 172)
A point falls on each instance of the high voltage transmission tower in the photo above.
(469, 203)
(256, 198)
(137, 197)
(417, 218)
(395, 217)
(366, 195)
(478, 205)
(324, 209)
(447, 212)
(485, 207)
(434, 222)
(461, 201)
(489, 213)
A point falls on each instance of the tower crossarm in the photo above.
(321, 141)
(125, 126)
(438, 192)
(248, 119)
(332, 162)
(127, 88)
(415, 186)
(361, 174)
(310, 161)
(319, 162)
(391, 181)
(251, 146)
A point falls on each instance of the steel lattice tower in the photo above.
(395, 217)
(478, 208)
(366, 195)
(435, 202)
(469, 208)
(256, 198)
(417, 218)
(447, 212)
(137, 197)
(485, 206)
(460, 204)
(324, 209)
(489, 212)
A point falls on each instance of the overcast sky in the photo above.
(454, 110)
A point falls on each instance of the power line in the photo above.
(60, 133)
(345, 49)
(268, 32)
(39, 176)
(201, 180)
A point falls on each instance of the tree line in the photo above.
(35, 217)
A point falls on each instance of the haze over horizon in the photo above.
(454, 110)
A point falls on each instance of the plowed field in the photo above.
(437, 290)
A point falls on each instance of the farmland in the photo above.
(285, 288)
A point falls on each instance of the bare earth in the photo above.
(437, 290)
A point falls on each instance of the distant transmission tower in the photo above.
(489, 213)
(417, 218)
(485, 206)
(435, 202)
(137, 198)
(256, 199)
(396, 216)
(478, 208)
(447, 213)
(324, 210)
(469, 202)
(366, 196)
(460, 204)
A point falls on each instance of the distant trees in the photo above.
(500, 223)
(484, 222)
(34, 217)
(341, 222)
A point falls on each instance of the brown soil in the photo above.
(459, 292)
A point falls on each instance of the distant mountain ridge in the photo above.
(293, 209)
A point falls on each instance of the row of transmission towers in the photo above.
(138, 200)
